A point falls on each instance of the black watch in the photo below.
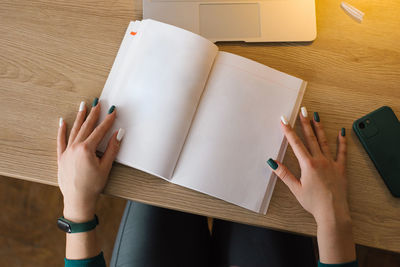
(71, 227)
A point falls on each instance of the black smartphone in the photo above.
(379, 133)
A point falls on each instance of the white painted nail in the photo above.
(304, 112)
(120, 135)
(60, 123)
(82, 106)
(284, 120)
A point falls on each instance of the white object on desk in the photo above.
(242, 20)
(352, 12)
(199, 117)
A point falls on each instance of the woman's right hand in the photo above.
(322, 187)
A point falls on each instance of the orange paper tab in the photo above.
(133, 33)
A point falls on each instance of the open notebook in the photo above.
(197, 117)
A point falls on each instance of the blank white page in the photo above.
(236, 129)
(155, 83)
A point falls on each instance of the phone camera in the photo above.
(361, 125)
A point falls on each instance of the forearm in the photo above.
(82, 248)
(335, 240)
(82, 245)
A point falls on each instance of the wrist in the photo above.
(335, 223)
(334, 219)
(337, 226)
(78, 217)
(335, 239)
(334, 214)
(79, 212)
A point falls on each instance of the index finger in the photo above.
(295, 142)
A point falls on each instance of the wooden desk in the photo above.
(53, 54)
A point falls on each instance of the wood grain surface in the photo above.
(53, 54)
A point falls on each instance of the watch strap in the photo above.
(72, 227)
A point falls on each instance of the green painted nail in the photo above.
(111, 109)
(95, 101)
(272, 163)
(316, 116)
(343, 132)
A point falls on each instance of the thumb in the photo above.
(285, 175)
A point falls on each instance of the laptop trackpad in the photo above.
(230, 21)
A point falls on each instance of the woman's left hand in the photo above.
(82, 175)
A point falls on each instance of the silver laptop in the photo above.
(245, 20)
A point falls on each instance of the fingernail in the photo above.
(304, 112)
(82, 106)
(111, 109)
(61, 121)
(95, 101)
(343, 132)
(120, 134)
(272, 163)
(284, 120)
(316, 116)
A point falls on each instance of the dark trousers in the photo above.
(150, 236)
